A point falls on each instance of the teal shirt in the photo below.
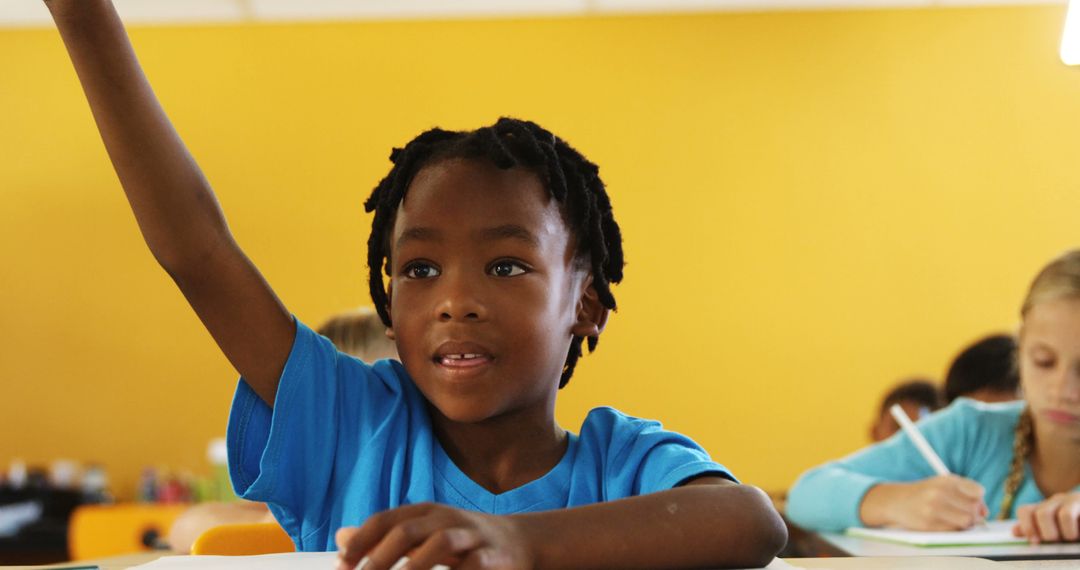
(974, 439)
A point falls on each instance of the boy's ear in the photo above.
(389, 296)
(592, 315)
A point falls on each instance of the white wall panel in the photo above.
(180, 11)
(368, 9)
(23, 13)
(17, 13)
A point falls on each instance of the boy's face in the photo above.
(886, 424)
(484, 293)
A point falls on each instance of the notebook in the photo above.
(995, 532)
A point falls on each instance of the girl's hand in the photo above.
(1054, 520)
(945, 502)
(430, 534)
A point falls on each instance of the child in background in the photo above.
(985, 371)
(359, 333)
(1017, 459)
(917, 397)
(499, 248)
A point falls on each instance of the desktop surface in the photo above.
(856, 546)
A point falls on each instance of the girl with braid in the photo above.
(1009, 460)
(499, 250)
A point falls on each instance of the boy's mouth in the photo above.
(461, 355)
(463, 360)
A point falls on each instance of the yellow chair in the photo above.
(243, 539)
(98, 531)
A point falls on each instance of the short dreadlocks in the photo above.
(568, 176)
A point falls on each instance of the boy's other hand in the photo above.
(431, 534)
(942, 503)
(1054, 520)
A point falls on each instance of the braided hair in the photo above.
(568, 176)
(1023, 444)
(1058, 279)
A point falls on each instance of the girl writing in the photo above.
(1011, 460)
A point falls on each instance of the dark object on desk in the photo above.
(38, 524)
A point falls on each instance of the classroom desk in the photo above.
(927, 563)
(855, 546)
(882, 563)
(108, 563)
(803, 543)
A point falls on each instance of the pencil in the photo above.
(922, 445)
(917, 438)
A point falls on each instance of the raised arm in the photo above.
(176, 210)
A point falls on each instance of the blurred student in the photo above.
(1014, 459)
(985, 371)
(917, 397)
(359, 333)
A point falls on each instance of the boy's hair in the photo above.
(989, 363)
(569, 177)
(922, 391)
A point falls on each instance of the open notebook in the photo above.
(995, 532)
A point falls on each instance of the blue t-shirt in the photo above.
(973, 439)
(345, 440)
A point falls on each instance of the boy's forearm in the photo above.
(177, 213)
(689, 527)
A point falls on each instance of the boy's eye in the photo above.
(420, 271)
(507, 269)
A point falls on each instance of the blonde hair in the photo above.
(1023, 444)
(1059, 278)
(361, 333)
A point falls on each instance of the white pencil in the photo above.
(922, 445)
(917, 438)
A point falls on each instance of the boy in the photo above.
(491, 294)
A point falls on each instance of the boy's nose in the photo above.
(459, 302)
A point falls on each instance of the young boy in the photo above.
(985, 371)
(499, 246)
(917, 397)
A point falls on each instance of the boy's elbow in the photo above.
(769, 529)
(762, 533)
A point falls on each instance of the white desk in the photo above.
(883, 563)
(110, 563)
(865, 547)
(928, 563)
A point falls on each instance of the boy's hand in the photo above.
(430, 534)
(945, 502)
(1054, 520)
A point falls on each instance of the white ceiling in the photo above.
(20, 13)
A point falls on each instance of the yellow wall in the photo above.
(814, 205)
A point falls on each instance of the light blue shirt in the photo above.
(345, 440)
(973, 439)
